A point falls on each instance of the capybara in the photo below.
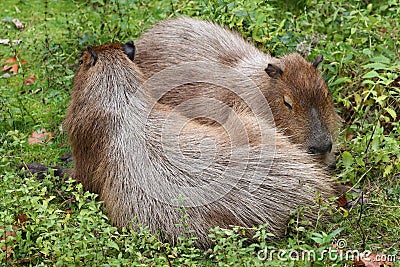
(298, 96)
(155, 165)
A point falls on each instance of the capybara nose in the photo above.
(321, 148)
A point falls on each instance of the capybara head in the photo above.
(110, 52)
(104, 74)
(302, 105)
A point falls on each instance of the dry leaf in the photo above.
(18, 24)
(342, 201)
(11, 59)
(30, 80)
(358, 262)
(22, 217)
(373, 260)
(8, 233)
(13, 67)
(41, 136)
(8, 249)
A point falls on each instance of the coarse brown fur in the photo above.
(297, 94)
(144, 161)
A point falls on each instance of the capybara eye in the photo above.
(288, 102)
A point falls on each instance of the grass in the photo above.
(66, 226)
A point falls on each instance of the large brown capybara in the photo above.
(145, 161)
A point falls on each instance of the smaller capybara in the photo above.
(296, 93)
(146, 161)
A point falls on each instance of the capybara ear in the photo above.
(274, 71)
(129, 49)
(93, 54)
(317, 60)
